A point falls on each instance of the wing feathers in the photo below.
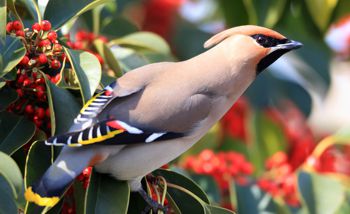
(110, 132)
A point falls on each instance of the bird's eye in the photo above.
(262, 40)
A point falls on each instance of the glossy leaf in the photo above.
(7, 96)
(8, 204)
(106, 195)
(321, 11)
(320, 194)
(128, 58)
(33, 9)
(143, 40)
(181, 180)
(61, 116)
(11, 53)
(108, 56)
(218, 210)
(208, 184)
(59, 12)
(268, 139)
(124, 27)
(235, 12)
(3, 20)
(88, 71)
(259, 202)
(15, 131)
(11, 173)
(38, 161)
(274, 13)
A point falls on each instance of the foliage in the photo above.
(258, 159)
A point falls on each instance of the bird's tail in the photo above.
(55, 181)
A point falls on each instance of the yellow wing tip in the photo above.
(41, 201)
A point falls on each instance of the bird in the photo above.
(154, 113)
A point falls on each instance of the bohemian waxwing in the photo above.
(154, 113)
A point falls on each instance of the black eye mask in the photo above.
(267, 41)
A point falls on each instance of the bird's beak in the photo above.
(290, 45)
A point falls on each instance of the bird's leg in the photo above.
(155, 206)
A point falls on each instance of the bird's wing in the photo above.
(110, 132)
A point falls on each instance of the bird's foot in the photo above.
(152, 204)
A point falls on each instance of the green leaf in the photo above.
(7, 96)
(15, 131)
(128, 58)
(11, 53)
(63, 108)
(268, 139)
(208, 184)
(235, 12)
(33, 9)
(218, 210)
(274, 13)
(143, 40)
(11, 173)
(124, 27)
(320, 193)
(108, 56)
(59, 12)
(38, 161)
(321, 11)
(8, 203)
(79, 196)
(88, 70)
(107, 195)
(259, 202)
(181, 180)
(3, 20)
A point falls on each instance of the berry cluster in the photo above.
(84, 40)
(43, 57)
(234, 121)
(279, 179)
(298, 134)
(223, 166)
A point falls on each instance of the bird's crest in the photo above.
(243, 30)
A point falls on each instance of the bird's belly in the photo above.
(136, 161)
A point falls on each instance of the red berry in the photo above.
(9, 27)
(40, 81)
(20, 33)
(36, 27)
(45, 25)
(21, 78)
(81, 35)
(38, 122)
(47, 113)
(56, 78)
(17, 25)
(40, 112)
(42, 59)
(34, 75)
(52, 36)
(19, 92)
(24, 61)
(26, 82)
(57, 48)
(55, 64)
(29, 109)
(44, 43)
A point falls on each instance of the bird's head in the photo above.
(259, 45)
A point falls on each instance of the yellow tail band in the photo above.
(41, 201)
